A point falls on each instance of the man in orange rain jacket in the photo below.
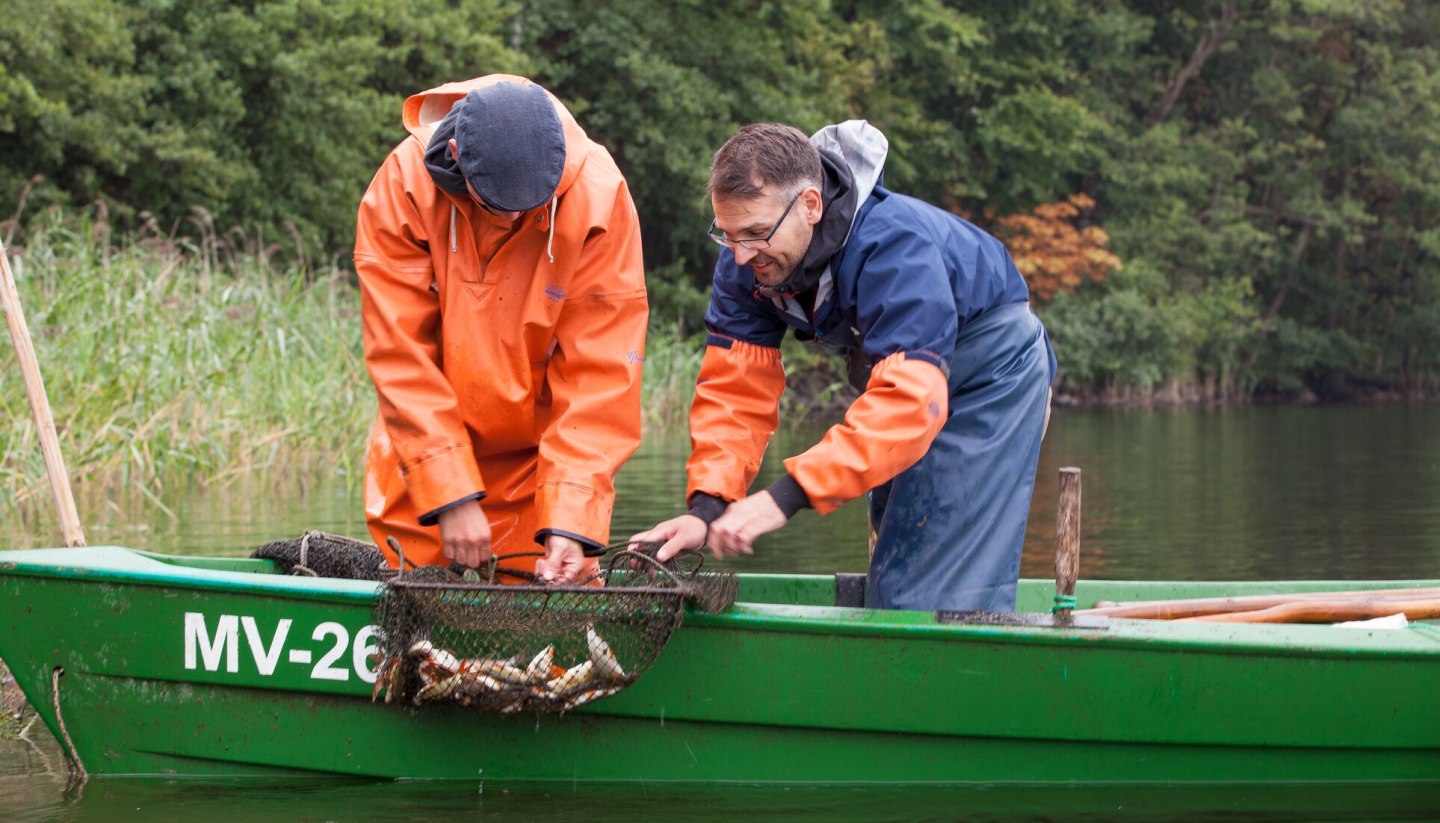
(936, 322)
(498, 253)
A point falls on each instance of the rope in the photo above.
(1063, 602)
(70, 753)
(303, 567)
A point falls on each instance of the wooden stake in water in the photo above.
(70, 529)
(1067, 541)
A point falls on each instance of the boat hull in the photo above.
(147, 666)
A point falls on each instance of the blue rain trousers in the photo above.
(951, 527)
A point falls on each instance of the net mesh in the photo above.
(447, 636)
(533, 648)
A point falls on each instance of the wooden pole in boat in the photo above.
(1067, 542)
(70, 528)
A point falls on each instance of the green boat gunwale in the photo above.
(127, 566)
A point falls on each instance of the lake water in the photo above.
(1251, 493)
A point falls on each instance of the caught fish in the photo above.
(602, 656)
(382, 678)
(516, 706)
(573, 677)
(502, 670)
(589, 696)
(539, 668)
(438, 690)
(444, 661)
(479, 683)
(475, 687)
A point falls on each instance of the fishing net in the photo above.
(459, 636)
(319, 554)
(534, 648)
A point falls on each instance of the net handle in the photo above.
(648, 558)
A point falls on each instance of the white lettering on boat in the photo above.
(365, 647)
(211, 648)
(222, 646)
(265, 660)
(325, 669)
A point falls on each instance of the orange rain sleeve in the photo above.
(736, 410)
(886, 431)
(594, 377)
(401, 314)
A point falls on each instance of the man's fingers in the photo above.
(671, 548)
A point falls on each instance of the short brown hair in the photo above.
(763, 154)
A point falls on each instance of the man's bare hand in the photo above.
(677, 534)
(564, 561)
(465, 534)
(743, 521)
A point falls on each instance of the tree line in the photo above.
(1214, 200)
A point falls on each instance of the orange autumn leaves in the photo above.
(1052, 251)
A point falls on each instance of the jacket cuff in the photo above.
(592, 548)
(707, 507)
(432, 517)
(789, 496)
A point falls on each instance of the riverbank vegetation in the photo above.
(1213, 201)
(170, 360)
(167, 359)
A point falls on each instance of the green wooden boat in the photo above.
(143, 664)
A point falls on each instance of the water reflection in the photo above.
(1251, 493)
(159, 801)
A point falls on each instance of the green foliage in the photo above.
(1268, 170)
(263, 113)
(664, 84)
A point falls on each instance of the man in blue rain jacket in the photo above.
(935, 320)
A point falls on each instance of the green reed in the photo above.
(172, 363)
(166, 363)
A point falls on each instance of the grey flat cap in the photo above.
(511, 145)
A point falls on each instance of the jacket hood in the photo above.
(860, 149)
(426, 117)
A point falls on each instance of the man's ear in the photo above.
(454, 151)
(812, 201)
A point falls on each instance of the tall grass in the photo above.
(174, 365)
(168, 364)
(672, 361)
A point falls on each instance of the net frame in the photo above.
(534, 648)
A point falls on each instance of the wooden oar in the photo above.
(1319, 611)
(1196, 607)
(70, 529)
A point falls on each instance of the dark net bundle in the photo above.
(327, 555)
(533, 648)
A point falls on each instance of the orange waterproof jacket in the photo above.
(506, 355)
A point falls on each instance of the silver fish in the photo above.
(539, 669)
(573, 676)
(589, 696)
(438, 690)
(502, 670)
(606, 664)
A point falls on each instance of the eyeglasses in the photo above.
(755, 243)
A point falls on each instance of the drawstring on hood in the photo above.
(550, 241)
(549, 238)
